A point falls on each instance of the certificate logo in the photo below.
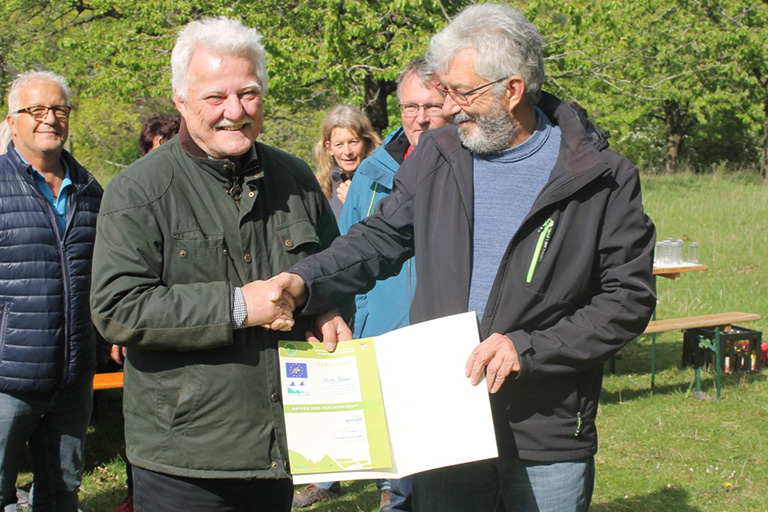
(290, 349)
(296, 370)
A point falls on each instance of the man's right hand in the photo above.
(267, 309)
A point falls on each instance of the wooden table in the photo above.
(673, 273)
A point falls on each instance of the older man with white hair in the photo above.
(49, 205)
(186, 237)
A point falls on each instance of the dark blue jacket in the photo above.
(46, 336)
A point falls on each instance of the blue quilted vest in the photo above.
(46, 337)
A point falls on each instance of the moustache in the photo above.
(463, 116)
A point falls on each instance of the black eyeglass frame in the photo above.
(464, 95)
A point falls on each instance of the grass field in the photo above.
(659, 452)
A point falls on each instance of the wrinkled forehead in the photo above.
(221, 72)
(414, 90)
(460, 72)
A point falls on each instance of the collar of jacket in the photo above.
(229, 169)
(581, 159)
(382, 165)
(77, 174)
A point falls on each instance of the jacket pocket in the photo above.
(176, 395)
(299, 237)
(197, 257)
(542, 243)
(187, 399)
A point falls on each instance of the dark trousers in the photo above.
(158, 492)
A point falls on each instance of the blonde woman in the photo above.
(346, 139)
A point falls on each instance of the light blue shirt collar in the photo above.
(59, 203)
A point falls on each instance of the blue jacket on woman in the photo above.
(387, 306)
(46, 336)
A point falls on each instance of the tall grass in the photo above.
(660, 451)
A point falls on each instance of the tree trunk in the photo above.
(677, 124)
(375, 102)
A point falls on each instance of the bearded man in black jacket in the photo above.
(521, 213)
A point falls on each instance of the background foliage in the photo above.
(677, 84)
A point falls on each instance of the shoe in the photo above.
(125, 506)
(384, 502)
(310, 495)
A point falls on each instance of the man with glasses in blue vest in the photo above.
(49, 205)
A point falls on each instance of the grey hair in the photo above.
(504, 43)
(422, 70)
(220, 35)
(25, 79)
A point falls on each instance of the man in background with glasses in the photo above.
(49, 205)
(387, 306)
(521, 213)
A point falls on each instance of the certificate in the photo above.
(339, 393)
(387, 406)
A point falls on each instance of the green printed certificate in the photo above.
(339, 392)
(385, 407)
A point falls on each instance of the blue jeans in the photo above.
(504, 484)
(54, 426)
(400, 494)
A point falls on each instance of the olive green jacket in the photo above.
(201, 399)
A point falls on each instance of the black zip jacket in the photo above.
(574, 286)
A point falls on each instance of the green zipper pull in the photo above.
(578, 425)
(545, 231)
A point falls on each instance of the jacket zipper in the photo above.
(4, 324)
(545, 232)
(578, 425)
(64, 273)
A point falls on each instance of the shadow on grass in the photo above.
(684, 384)
(356, 496)
(103, 502)
(663, 500)
(624, 395)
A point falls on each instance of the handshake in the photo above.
(270, 304)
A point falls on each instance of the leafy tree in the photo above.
(320, 52)
(654, 73)
(739, 28)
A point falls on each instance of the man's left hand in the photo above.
(496, 357)
(330, 328)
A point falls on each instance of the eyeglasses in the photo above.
(462, 98)
(39, 112)
(412, 109)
